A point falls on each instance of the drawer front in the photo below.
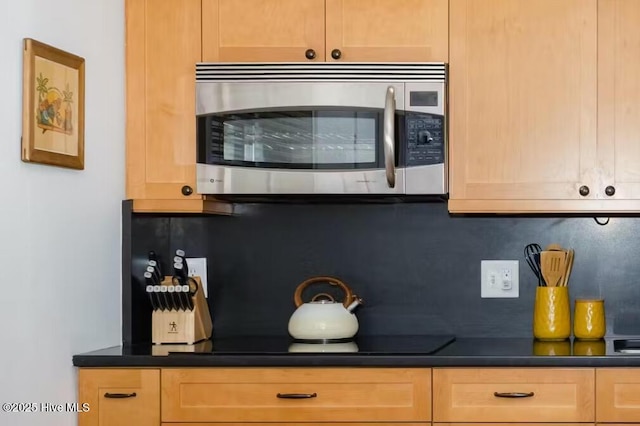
(324, 424)
(498, 424)
(618, 395)
(546, 395)
(138, 389)
(251, 395)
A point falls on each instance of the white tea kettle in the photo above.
(324, 319)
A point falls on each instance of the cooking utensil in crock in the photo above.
(532, 256)
(553, 266)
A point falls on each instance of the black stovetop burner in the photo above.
(364, 345)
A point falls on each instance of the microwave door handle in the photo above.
(388, 136)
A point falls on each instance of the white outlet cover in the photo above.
(198, 266)
(499, 278)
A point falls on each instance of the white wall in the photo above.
(59, 228)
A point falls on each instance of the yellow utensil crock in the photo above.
(551, 313)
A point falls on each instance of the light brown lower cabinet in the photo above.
(618, 395)
(296, 395)
(119, 396)
(319, 396)
(515, 395)
(513, 424)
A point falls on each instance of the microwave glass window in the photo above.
(308, 137)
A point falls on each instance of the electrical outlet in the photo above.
(197, 266)
(499, 278)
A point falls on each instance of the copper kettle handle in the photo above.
(348, 295)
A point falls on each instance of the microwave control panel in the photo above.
(425, 139)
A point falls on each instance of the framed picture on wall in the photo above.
(53, 106)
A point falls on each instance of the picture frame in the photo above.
(53, 106)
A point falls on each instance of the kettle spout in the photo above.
(356, 302)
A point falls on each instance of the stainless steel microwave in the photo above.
(321, 128)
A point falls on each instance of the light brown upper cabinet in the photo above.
(619, 103)
(325, 30)
(387, 30)
(163, 43)
(263, 30)
(544, 106)
(523, 105)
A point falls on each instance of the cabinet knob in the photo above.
(187, 190)
(336, 54)
(584, 190)
(310, 54)
(610, 190)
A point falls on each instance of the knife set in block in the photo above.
(182, 323)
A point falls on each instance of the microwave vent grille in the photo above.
(304, 71)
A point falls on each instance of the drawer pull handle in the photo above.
(513, 394)
(297, 395)
(119, 395)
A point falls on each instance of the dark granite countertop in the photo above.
(367, 351)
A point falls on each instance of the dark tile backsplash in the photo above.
(417, 267)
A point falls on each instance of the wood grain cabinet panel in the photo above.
(315, 424)
(387, 30)
(619, 99)
(512, 424)
(262, 30)
(618, 395)
(251, 395)
(554, 395)
(523, 104)
(163, 43)
(143, 409)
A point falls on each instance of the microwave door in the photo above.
(341, 141)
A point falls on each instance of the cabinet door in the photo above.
(619, 100)
(617, 395)
(119, 397)
(523, 98)
(163, 44)
(387, 30)
(262, 30)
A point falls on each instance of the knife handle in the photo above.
(153, 270)
(151, 283)
(163, 293)
(180, 271)
(156, 266)
(185, 290)
(151, 296)
(154, 258)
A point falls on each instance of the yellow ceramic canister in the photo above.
(551, 313)
(589, 319)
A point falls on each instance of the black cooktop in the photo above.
(282, 345)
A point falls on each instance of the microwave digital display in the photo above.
(423, 99)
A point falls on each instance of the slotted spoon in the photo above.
(553, 266)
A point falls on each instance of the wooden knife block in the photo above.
(183, 326)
